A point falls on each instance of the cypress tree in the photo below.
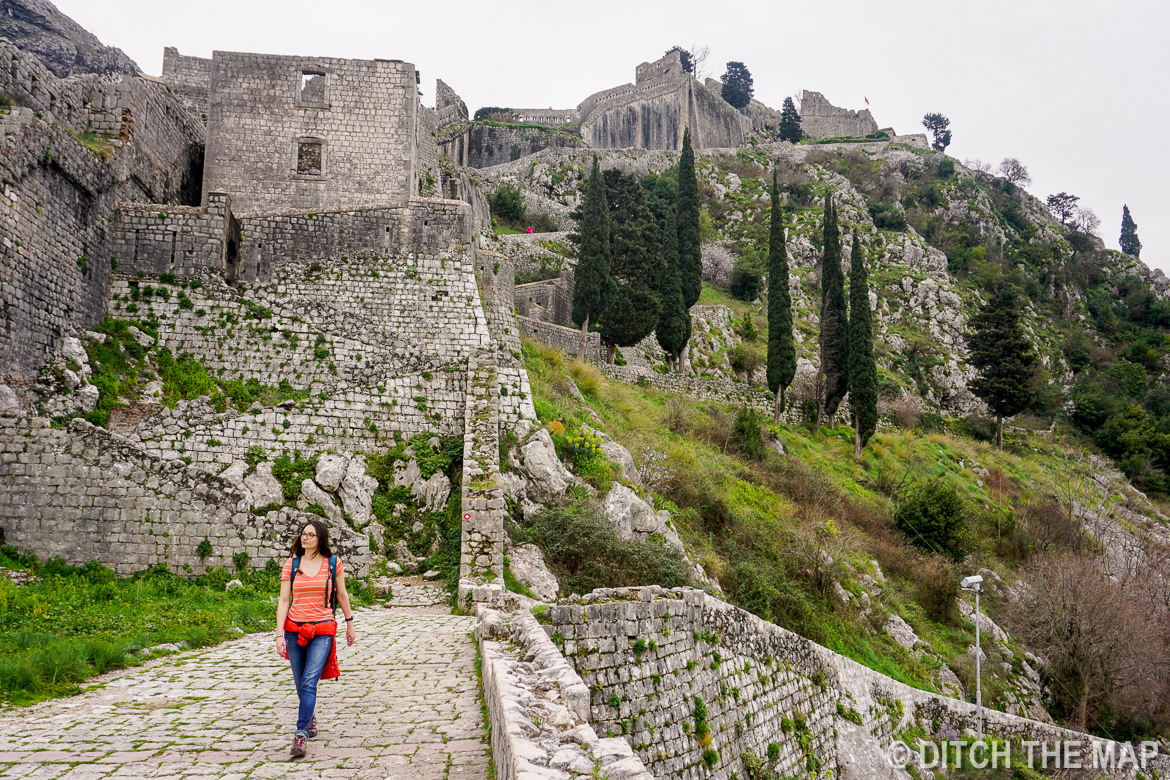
(1002, 355)
(593, 288)
(834, 319)
(689, 251)
(862, 366)
(674, 321)
(1130, 244)
(790, 129)
(781, 347)
(635, 264)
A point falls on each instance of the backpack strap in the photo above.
(332, 596)
(292, 577)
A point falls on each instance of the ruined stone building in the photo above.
(275, 195)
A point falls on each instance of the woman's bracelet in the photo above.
(348, 619)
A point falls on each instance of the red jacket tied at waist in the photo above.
(309, 630)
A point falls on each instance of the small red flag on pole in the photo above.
(867, 101)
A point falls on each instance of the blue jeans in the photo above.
(307, 663)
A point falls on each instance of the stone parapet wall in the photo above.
(821, 119)
(55, 207)
(538, 707)
(429, 175)
(24, 79)
(481, 562)
(190, 78)
(648, 653)
(85, 494)
(186, 241)
(160, 153)
(564, 339)
(548, 301)
(474, 145)
(449, 107)
(421, 226)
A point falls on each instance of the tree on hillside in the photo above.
(674, 321)
(1086, 221)
(1003, 356)
(781, 347)
(690, 254)
(1130, 244)
(737, 85)
(937, 124)
(863, 380)
(1062, 205)
(635, 262)
(790, 122)
(834, 320)
(593, 287)
(1014, 171)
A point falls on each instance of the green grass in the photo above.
(81, 621)
(760, 527)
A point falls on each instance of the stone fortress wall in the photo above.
(449, 107)
(189, 78)
(59, 196)
(648, 655)
(84, 494)
(821, 119)
(311, 132)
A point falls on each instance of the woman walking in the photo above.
(312, 586)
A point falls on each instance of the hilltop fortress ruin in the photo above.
(299, 218)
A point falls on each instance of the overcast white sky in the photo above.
(1072, 88)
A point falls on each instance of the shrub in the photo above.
(946, 168)
(507, 204)
(887, 216)
(747, 277)
(744, 359)
(747, 433)
(937, 589)
(932, 518)
(585, 552)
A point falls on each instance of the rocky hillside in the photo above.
(65, 47)
(938, 237)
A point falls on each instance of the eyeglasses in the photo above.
(308, 536)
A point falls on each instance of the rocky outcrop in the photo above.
(65, 47)
(527, 565)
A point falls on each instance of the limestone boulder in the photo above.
(547, 477)
(407, 472)
(72, 350)
(235, 473)
(635, 519)
(619, 455)
(901, 632)
(312, 494)
(142, 338)
(331, 469)
(948, 682)
(431, 494)
(401, 553)
(9, 403)
(87, 398)
(357, 492)
(264, 487)
(528, 566)
(71, 379)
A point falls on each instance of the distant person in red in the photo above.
(529, 229)
(312, 587)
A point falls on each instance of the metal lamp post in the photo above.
(972, 584)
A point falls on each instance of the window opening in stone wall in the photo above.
(311, 89)
(309, 158)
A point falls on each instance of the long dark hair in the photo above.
(297, 550)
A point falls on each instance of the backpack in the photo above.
(330, 588)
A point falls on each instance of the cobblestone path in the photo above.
(406, 707)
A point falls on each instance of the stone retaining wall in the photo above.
(538, 708)
(650, 654)
(186, 241)
(85, 494)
